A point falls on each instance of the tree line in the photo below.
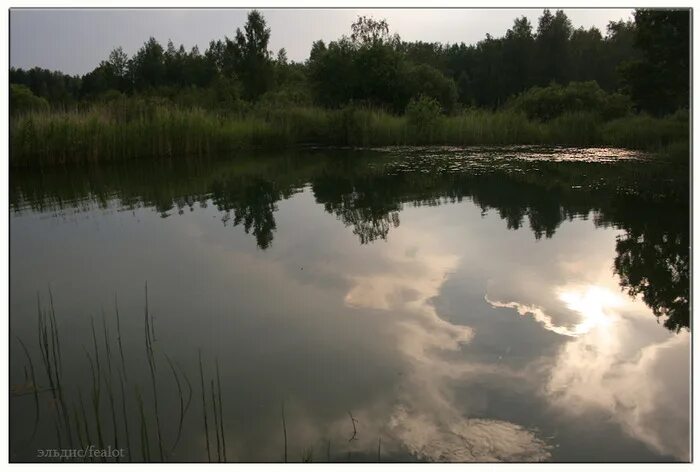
(645, 60)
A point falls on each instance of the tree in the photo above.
(425, 81)
(659, 81)
(552, 47)
(57, 88)
(518, 46)
(254, 63)
(119, 63)
(655, 264)
(331, 72)
(363, 68)
(282, 57)
(586, 55)
(148, 65)
(618, 48)
(370, 32)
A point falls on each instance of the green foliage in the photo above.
(578, 128)
(22, 100)
(645, 131)
(552, 47)
(255, 67)
(152, 127)
(659, 81)
(168, 101)
(423, 115)
(372, 67)
(477, 127)
(546, 103)
(132, 129)
(57, 88)
(148, 65)
(423, 80)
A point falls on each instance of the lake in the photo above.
(402, 304)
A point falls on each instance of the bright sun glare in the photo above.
(593, 303)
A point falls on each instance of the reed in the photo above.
(182, 403)
(216, 422)
(119, 336)
(76, 421)
(35, 388)
(98, 374)
(108, 382)
(49, 345)
(152, 369)
(145, 446)
(307, 455)
(284, 430)
(84, 417)
(76, 418)
(107, 133)
(122, 382)
(96, 393)
(221, 410)
(44, 348)
(56, 338)
(204, 406)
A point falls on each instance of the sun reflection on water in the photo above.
(594, 304)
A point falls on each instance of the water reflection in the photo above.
(368, 193)
(491, 330)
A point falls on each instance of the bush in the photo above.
(423, 114)
(547, 103)
(424, 80)
(22, 100)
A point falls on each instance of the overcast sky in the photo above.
(75, 41)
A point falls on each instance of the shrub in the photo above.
(424, 80)
(547, 103)
(423, 114)
(22, 100)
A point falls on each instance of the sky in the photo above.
(76, 40)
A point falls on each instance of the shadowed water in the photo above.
(438, 304)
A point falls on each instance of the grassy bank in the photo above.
(126, 130)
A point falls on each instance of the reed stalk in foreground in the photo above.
(221, 410)
(152, 367)
(108, 382)
(284, 430)
(122, 381)
(119, 336)
(145, 447)
(182, 404)
(216, 422)
(84, 416)
(35, 388)
(96, 394)
(204, 406)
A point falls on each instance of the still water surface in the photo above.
(518, 304)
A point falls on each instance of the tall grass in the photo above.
(124, 130)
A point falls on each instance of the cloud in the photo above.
(647, 395)
(466, 440)
(426, 420)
